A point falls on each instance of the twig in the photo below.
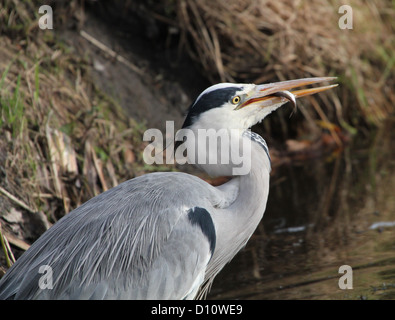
(16, 242)
(5, 249)
(9, 249)
(99, 169)
(109, 51)
(17, 201)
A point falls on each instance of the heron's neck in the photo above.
(247, 194)
(250, 202)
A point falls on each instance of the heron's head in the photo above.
(240, 106)
(214, 132)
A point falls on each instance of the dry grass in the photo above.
(62, 140)
(270, 40)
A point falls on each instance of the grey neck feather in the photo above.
(247, 195)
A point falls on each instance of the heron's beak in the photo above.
(267, 95)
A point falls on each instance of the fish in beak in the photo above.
(268, 95)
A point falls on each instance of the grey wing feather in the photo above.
(127, 243)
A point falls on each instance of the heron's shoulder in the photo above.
(143, 217)
(150, 194)
(168, 182)
(160, 177)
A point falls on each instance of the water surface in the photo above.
(322, 214)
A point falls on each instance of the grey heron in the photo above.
(162, 235)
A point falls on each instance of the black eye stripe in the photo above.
(210, 100)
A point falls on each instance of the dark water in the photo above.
(322, 214)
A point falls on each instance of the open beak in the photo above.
(271, 94)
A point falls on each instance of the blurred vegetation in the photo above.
(266, 41)
(62, 140)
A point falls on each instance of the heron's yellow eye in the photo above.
(236, 100)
